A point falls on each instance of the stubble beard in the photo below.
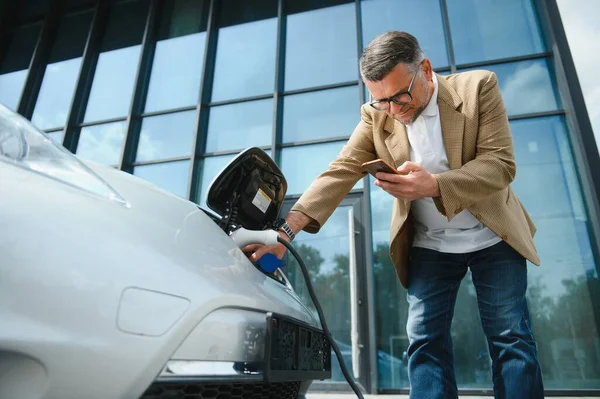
(421, 108)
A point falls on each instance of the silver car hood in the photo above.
(195, 234)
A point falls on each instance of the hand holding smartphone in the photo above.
(378, 165)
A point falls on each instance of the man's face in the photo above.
(398, 81)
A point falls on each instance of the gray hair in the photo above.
(388, 50)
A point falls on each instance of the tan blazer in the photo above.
(479, 147)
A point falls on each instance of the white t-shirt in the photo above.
(432, 230)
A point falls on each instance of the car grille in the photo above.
(170, 390)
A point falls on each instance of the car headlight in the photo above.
(23, 145)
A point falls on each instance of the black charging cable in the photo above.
(313, 296)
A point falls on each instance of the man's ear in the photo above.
(428, 69)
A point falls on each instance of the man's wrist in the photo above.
(435, 192)
(297, 220)
(283, 226)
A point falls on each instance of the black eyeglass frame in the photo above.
(395, 96)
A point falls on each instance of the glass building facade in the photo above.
(171, 90)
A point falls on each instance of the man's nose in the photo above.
(395, 108)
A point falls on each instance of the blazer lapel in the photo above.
(452, 122)
(397, 142)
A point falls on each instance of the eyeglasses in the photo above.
(401, 98)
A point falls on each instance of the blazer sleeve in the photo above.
(493, 167)
(329, 189)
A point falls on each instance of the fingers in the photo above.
(277, 250)
(396, 186)
(256, 255)
(394, 178)
(251, 247)
(408, 167)
(400, 191)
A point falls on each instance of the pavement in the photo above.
(350, 396)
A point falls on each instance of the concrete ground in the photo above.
(349, 396)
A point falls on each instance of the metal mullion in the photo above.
(315, 141)
(37, 67)
(201, 128)
(441, 70)
(372, 378)
(228, 152)
(240, 100)
(102, 122)
(169, 111)
(359, 50)
(536, 115)
(138, 100)
(448, 35)
(85, 77)
(277, 132)
(321, 88)
(162, 160)
(79, 9)
(54, 130)
(507, 60)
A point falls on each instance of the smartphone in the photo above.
(378, 165)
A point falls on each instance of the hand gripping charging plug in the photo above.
(243, 237)
(268, 262)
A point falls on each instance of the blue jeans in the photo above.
(500, 278)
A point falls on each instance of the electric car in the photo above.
(113, 288)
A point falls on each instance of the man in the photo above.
(454, 210)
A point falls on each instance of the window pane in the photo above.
(250, 126)
(212, 167)
(563, 295)
(15, 64)
(321, 47)
(488, 29)
(542, 149)
(526, 86)
(302, 164)
(321, 114)
(57, 137)
(102, 143)
(251, 37)
(62, 71)
(380, 16)
(111, 91)
(177, 66)
(170, 176)
(166, 136)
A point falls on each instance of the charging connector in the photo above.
(243, 237)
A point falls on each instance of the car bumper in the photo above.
(280, 354)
